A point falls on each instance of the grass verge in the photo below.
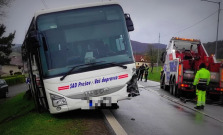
(155, 75)
(14, 107)
(17, 118)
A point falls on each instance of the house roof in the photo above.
(140, 58)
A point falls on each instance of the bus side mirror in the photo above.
(129, 22)
(32, 41)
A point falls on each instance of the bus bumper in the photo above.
(89, 102)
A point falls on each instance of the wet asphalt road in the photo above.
(152, 114)
(14, 90)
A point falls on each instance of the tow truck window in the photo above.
(183, 45)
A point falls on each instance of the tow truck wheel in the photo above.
(166, 87)
(171, 87)
(162, 82)
(178, 92)
(175, 91)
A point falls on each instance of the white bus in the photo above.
(80, 57)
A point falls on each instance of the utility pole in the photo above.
(158, 54)
(219, 9)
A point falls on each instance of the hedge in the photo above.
(18, 73)
(12, 80)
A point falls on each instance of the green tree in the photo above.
(5, 45)
(152, 55)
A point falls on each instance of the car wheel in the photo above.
(3, 94)
(6, 95)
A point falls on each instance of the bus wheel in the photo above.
(35, 98)
(115, 106)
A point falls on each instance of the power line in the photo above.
(44, 3)
(191, 25)
(197, 22)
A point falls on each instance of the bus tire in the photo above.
(35, 97)
(115, 106)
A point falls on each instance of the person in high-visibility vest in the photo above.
(201, 81)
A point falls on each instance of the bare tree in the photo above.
(152, 55)
(3, 4)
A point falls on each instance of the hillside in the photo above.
(142, 48)
(210, 48)
(17, 48)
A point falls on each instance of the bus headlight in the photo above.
(58, 100)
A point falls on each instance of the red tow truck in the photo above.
(181, 62)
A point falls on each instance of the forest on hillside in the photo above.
(210, 48)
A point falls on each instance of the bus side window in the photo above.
(57, 52)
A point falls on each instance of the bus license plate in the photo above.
(98, 102)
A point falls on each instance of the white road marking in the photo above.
(118, 129)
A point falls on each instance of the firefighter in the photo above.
(201, 81)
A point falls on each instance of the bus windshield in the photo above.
(82, 36)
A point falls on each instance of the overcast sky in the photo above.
(182, 18)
